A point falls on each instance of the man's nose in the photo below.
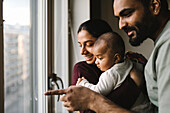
(122, 23)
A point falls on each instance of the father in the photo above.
(140, 19)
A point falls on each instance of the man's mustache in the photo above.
(128, 29)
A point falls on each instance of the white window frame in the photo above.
(42, 56)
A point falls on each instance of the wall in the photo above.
(79, 12)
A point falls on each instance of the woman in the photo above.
(88, 33)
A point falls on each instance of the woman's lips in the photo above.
(88, 58)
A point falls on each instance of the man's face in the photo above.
(133, 19)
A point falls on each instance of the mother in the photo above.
(88, 33)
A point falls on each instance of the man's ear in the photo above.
(156, 6)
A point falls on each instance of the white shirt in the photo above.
(110, 79)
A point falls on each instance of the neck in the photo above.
(162, 23)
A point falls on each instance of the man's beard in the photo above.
(136, 41)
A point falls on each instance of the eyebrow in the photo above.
(87, 41)
(124, 10)
(98, 55)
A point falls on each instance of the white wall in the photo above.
(80, 12)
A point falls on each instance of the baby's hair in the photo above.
(113, 41)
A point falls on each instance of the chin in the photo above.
(90, 62)
(135, 41)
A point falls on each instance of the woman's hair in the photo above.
(95, 27)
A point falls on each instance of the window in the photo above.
(25, 68)
(17, 56)
(28, 53)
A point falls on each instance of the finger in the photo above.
(56, 92)
(78, 82)
(63, 98)
(65, 104)
(70, 109)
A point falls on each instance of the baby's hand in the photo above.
(79, 80)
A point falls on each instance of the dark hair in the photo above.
(95, 27)
(164, 4)
(113, 41)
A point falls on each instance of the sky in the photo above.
(16, 12)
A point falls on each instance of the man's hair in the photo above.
(164, 4)
(113, 41)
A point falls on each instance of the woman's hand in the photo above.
(79, 80)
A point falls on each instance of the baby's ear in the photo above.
(117, 58)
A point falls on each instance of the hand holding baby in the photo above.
(79, 80)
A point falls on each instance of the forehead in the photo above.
(100, 48)
(120, 5)
(84, 36)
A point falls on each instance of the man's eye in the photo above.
(128, 13)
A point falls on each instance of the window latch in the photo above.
(53, 81)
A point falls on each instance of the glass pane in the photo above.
(17, 56)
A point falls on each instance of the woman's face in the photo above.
(86, 41)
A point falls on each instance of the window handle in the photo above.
(53, 81)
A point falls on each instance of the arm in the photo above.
(76, 98)
(163, 77)
(76, 73)
(105, 85)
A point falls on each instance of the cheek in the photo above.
(138, 17)
(90, 50)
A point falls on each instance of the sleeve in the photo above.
(76, 74)
(163, 78)
(105, 85)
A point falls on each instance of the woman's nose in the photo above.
(83, 50)
(122, 23)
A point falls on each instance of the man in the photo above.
(140, 19)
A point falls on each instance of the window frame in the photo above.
(1, 59)
(42, 56)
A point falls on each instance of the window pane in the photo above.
(17, 56)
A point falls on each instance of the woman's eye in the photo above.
(89, 45)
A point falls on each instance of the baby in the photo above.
(109, 50)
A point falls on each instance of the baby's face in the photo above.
(104, 60)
